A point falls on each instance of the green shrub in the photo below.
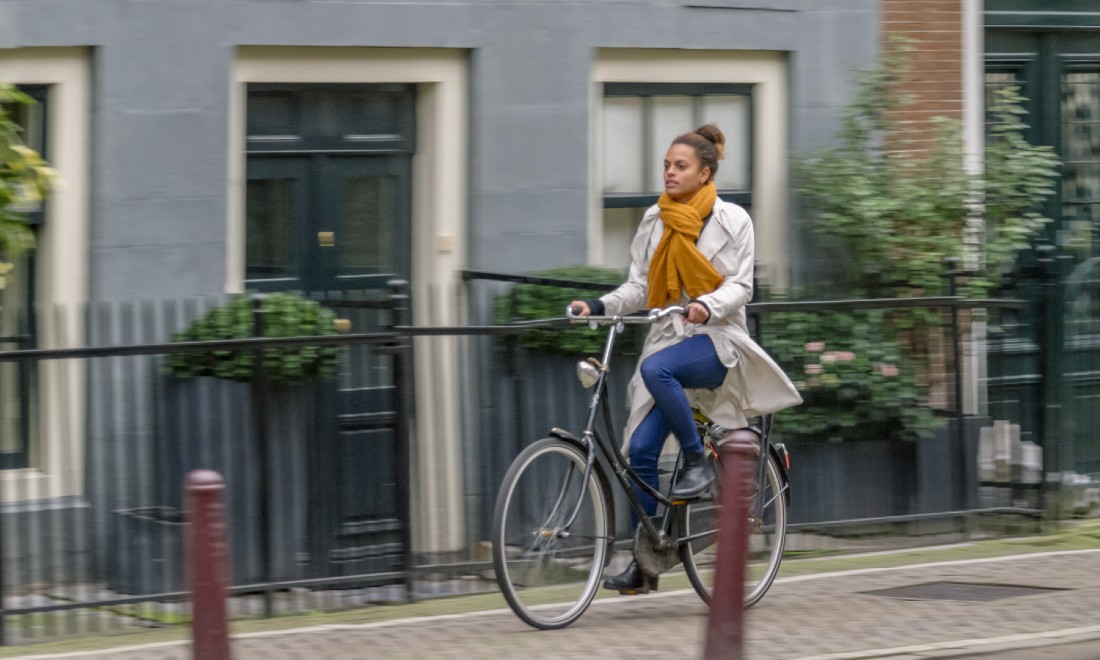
(897, 211)
(527, 302)
(856, 381)
(285, 315)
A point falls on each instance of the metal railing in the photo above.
(122, 433)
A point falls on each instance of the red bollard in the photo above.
(208, 566)
(725, 627)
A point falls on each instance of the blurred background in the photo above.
(924, 180)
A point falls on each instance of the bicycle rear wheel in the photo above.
(549, 568)
(767, 536)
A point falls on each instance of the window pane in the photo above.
(731, 114)
(996, 81)
(14, 387)
(31, 120)
(672, 116)
(273, 113)
(366, 240)
(269, 243)
(622, 145)
(1081, 149)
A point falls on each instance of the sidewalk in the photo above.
(822, 616)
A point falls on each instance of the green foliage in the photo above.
(1018, 177)
(285, 315)
(899, 212)
(856, 381)
(527, 302)
(25, 180)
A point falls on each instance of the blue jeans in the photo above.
(692, 363)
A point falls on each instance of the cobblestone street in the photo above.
(825, 616)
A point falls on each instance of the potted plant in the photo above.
(218, 390)
(284, 315)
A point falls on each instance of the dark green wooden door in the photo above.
(328, 213)
(1051, 49)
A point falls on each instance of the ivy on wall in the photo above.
(897, 212)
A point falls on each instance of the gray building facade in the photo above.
(202, 143)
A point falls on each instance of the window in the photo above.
(639, 121)
(1081, 160)
(17, 326)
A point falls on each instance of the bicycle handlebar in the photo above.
(653, 315)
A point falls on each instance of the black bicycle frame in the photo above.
(594, 441)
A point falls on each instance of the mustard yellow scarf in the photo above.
(677, 265)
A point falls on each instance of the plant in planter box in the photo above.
(529, 302)
(285, 315)
(856, 380)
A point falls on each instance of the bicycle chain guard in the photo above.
(652, 560)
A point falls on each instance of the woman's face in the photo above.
(683, 176)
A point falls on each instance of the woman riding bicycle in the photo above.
(696, 250)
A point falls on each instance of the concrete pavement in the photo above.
(1026, 605)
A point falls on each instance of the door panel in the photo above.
(275, 224)
(366, 212)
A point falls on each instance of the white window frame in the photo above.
(56, 454)
(767, 72)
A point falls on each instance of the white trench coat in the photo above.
(754, 384)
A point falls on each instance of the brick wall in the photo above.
(935, 80)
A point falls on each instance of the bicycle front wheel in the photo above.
(767, 536)
(551, 534)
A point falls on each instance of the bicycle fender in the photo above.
(562, 434)
(781, 461)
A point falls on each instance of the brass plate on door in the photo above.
(326, 238)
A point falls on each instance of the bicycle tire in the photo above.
(549, 578)
(766, 539)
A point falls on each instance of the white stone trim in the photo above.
(767, 70)
(438, 239)
(57, 457)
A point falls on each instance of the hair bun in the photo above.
(714, 135)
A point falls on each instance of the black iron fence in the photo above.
(321, 474)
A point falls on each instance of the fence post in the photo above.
(402, 346)
(959, 473)
(259, 417)
(1051, 346)
(207, 560)
(725, 625)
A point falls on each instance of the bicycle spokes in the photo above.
(551, 534)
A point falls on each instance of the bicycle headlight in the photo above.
(587, 373)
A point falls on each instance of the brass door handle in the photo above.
(326, 238)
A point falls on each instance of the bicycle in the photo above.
(554, 521)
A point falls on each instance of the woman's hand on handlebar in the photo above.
(697, 313)
(578, 308)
